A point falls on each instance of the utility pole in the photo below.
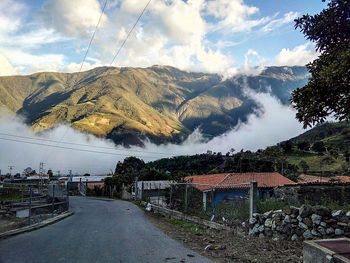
(41, 172)
(11, 168)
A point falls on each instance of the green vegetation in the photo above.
(127, 105)
(327, 92)
(189, 227)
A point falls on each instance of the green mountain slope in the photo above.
(129, 104)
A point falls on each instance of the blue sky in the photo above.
(218, 36)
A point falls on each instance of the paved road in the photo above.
(99, 231)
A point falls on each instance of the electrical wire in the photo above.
(93, 35)
(75, 149)
(79, 144)
(128, 35)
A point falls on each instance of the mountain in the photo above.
(127, 104)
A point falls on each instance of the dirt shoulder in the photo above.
(224, 246)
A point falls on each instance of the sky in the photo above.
(227, 37)
(216, 36)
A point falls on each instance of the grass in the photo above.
(189, 227)
(274, 204)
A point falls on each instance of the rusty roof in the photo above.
(237, 180)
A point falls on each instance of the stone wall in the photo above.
(314, 192)
(306, 222)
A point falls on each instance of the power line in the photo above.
(93, 35)
(79, 144)
(75, 149)
(128, 35)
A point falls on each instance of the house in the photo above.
(306, 179)
(152, 190)
(236, 185)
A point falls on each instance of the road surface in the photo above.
(99, 231)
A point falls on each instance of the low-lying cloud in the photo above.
(81, 152)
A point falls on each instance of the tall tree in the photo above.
(328, 90)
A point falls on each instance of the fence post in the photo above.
(171, 195)
(142, 191)
(212, 201)
(253, 198)
(186, 197)
(158, 192)
(30, 204)
(204, 201)
(53, 198)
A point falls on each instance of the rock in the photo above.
(305, 211)
(330, 231)
(295, 237)
(299, 218)
(315, 233)
(268, 214)
(274, 225)
(254, 231)
(244, 224)
(337, 214)
(324, 224)
(261, 228)
(303, 226)
(322, 211)
(252, 221)
(344, 219)
(211, 241)
(261, 235)
(307, 221)
(222, 247)
(294, 210)
(316, 219)
(268, 222)
(275, 239)
(255, 215)
(338, 232)
(348, 214)
(287, 219)
(279, 228)
(209, 247)
(307, 234)
(342, 224)
(321, 230)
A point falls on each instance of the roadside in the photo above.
(223, 246)
(26, 228)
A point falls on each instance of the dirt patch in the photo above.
(224, 246)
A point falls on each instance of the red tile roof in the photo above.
(235, 180)
(305, 179)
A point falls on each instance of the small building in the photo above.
(236, 185)
(151, 189)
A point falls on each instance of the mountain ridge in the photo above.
(128, 104)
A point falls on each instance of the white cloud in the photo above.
(6, 68)
(271, 124)
(299, 56)
(74, 18)
(234, 14)
(276, 23)
(11, 15)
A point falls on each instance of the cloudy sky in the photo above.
(221, 36)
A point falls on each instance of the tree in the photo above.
(303, 146)
(328, 89)
(318, 147)
(287, 145)
(304, 166)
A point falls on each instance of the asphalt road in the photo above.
(99, 231)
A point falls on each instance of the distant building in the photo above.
(230, 185)
(307, 179)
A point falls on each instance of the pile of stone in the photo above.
(306, 222)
